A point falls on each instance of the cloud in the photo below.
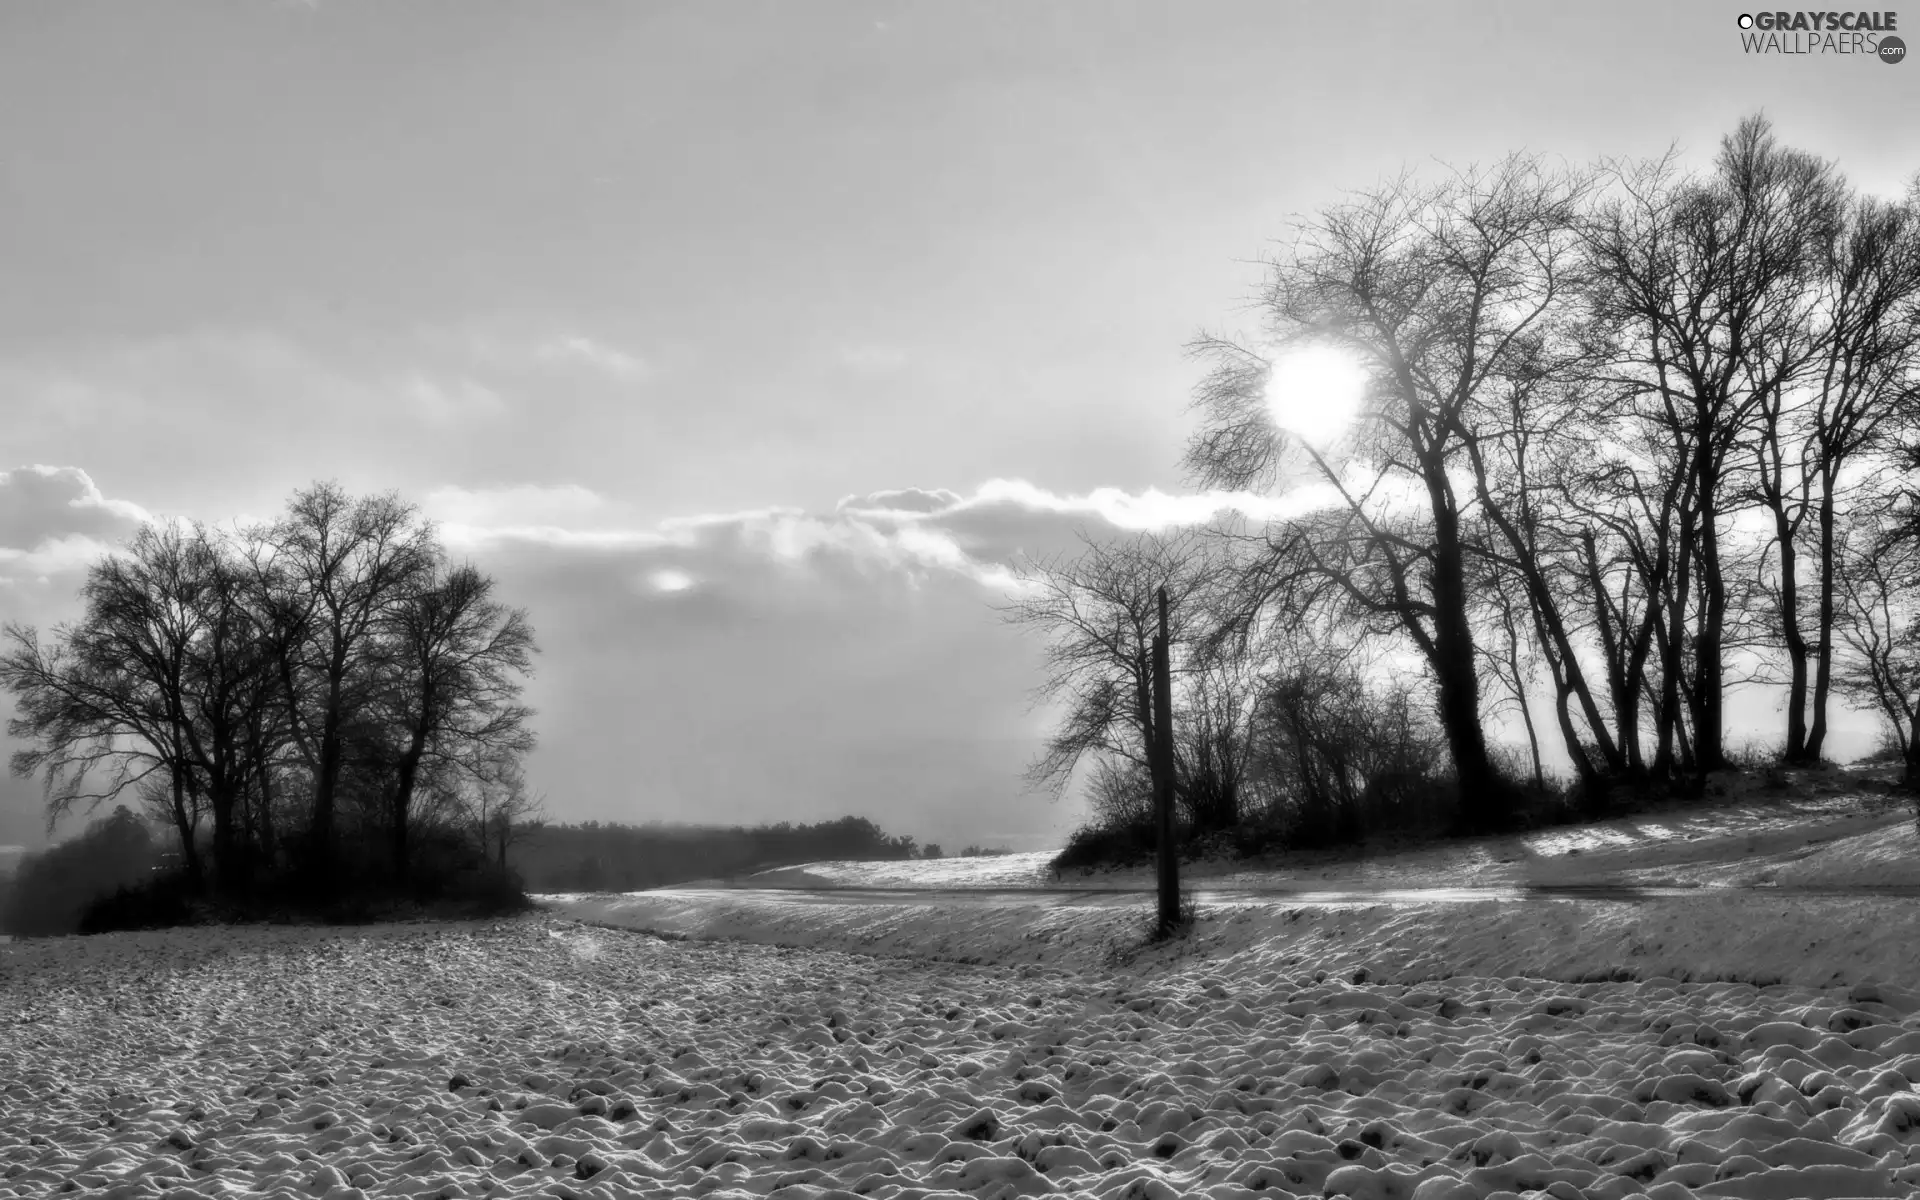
(52, 557)
(979, 538)
(55, 518)
(519, 352)
(524, 504)
(450, 401)
(577, 350)
(1006, 520)
(919, 500)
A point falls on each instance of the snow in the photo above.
(1703, 845)
(1728, 1044)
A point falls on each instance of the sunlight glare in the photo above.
(1314, 392)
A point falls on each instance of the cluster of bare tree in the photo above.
(318, 690)
(1631, 435)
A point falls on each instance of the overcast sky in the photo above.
(744, 344)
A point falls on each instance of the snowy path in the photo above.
(1307, 896)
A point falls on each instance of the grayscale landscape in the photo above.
(945, 601)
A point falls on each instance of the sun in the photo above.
(1314, 392)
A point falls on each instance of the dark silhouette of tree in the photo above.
(454, 659)
(1442, 292)
(1160, 767)
(1583, 391)
(327, 674)
(1700, 283)
(1855, 356)
(111, 693)
(1212, 741)
(1878, 581)
(335, 572)
(499, 806)
(1099, 612)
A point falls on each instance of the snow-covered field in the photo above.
(1372, 1051)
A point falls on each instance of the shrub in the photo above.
(54, 888)
(1756, 754)
(1336, 758)
(164, 900)
(1121, 843)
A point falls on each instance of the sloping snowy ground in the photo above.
(1812, 833)
(1804, 941)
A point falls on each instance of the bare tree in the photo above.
(1878, 581)
(1444, 293)
(1212, 743)
(1697, 285)
(498, 804)
(112, 690)
(332, 573)
(1099, 613)
(1120, 793)
(1868, 385)
(454, 662)
(230, 697)
(1507, 661)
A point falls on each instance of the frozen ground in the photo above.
(1555, 1048)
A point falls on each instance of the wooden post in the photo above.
(1160, 767)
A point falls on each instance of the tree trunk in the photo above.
(185, 825)
(1823, 660)
(1520, 694)
(1628, 714)
(1161, 767)
(1583, 766)
(327, 777)
(269, 838)
(1709, 732)
(1794, 640)
(1485, 806)
(326, 783)
(403, 800)
(228, 872)
(1671, 757)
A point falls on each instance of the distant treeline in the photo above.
(93, 881)
(609, 857)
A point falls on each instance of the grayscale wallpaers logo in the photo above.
(1866, 34)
